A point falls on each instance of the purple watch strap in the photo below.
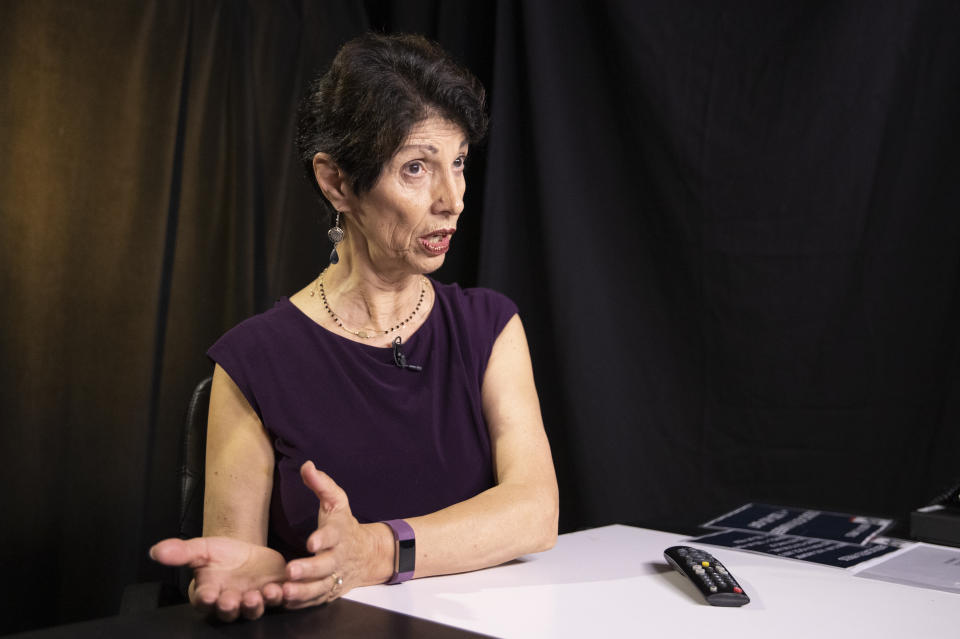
(405, 545)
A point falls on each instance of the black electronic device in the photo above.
(939, 521)
(710, 576)
(949, 499)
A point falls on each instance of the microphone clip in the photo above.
(400, 359)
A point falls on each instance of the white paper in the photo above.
(922, 565)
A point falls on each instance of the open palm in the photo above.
(229, 574)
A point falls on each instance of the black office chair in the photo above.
(193, 455)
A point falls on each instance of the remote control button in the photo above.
(713, 588)
(705, 564)
(738, 590)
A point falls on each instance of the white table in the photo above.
(614, 582)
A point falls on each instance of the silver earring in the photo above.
(335, 235)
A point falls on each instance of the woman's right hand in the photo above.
(231, 577)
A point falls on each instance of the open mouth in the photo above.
(438, 242)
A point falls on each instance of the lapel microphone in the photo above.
(401, 360)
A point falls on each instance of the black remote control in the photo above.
(709, 576)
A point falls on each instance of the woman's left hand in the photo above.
(346, 553)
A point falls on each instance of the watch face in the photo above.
(406, 555)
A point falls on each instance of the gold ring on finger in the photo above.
(337, 583)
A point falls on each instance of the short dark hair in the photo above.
(377, 88)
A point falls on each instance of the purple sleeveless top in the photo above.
(400, 443)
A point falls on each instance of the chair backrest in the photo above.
(193, 455)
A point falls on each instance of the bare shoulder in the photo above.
(509, 393)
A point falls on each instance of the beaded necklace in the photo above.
(374, 332)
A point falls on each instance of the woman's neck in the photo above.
(364, 298)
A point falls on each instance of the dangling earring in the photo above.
(335, 235)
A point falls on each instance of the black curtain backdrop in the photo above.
(731, 227)
(733, 232)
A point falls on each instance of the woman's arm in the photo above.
(517, 516)
(239, 466)
(234, 572)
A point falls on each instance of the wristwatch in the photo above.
(405, 551)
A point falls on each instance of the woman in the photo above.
(416, 398)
